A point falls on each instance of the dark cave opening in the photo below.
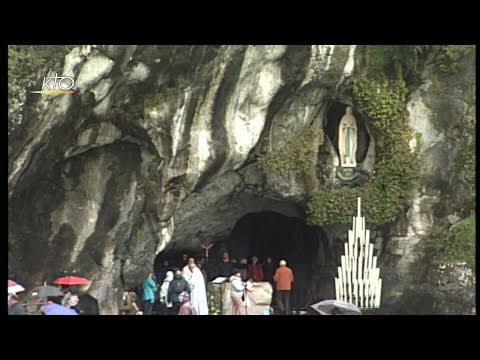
(269, 233)
(306, 249)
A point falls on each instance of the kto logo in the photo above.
(56, 85)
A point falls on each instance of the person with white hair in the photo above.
(165, 306)
(283, 279)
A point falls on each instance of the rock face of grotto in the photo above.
(157, 151)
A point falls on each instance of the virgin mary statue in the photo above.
(347, 139)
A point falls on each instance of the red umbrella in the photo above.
(70, 280)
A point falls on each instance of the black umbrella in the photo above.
(46, 291)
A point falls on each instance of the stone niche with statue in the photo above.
(220, 303)
(350, 136)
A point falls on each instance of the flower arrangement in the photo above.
(213, 306)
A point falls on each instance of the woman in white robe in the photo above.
(195, 279)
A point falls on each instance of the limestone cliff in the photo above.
(157, 149)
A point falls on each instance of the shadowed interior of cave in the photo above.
(270, 233)
(334, 114)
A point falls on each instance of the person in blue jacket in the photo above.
(149, 288)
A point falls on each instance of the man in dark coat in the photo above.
(177, 286)
(269, 268)
(225, 267)
(299, 286)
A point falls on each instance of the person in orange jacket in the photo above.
(283, 279)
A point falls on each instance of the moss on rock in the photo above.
(453, 244)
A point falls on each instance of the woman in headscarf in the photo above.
(166, 307)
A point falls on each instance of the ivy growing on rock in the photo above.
(396, 61)
(448, 57)
(296, 155)
(384, 194)
(453, 244)
(160, 97)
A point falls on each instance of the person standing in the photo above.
(195, 279)
(237, 287)
(176, 287)
(299, 288)
(225, 267)
(255, 271)
(129, 307)
(268, 270)
(15, 307)
(283, 283)
(162, 271)
(149, 287)
(204, 273)
(165, 305)
(243, 267)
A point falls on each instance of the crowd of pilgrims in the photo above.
(178, 286)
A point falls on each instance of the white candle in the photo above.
(354, 269)
(373, 292)
(366, 292)
(355, 291)
(337, 291)
(374, 265)
(365, 261)
(359, 206)
(355, 246)
(340, 283)
(361, 254)
(360, 267)
(370, 257)
(379, 292)
(349, 277)
(360, 287)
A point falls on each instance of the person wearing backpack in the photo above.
(177, 286)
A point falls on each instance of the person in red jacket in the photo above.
(283, 279)
(255, 271)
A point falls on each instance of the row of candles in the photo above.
(358, 279)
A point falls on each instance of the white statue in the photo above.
(347, 139)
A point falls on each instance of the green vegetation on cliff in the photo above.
(296, 155)
(448, 57)
(453, 244)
